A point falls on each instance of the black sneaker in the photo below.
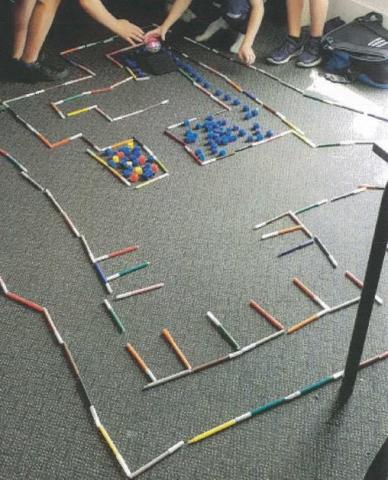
(38, 72)
(311, 56)
(287, 50)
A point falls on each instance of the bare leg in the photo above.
(22, 17)
(294, 15)
(318, 12)
(40, 24)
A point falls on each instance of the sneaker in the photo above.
(37, 72)
(288, 50)
(311, 55)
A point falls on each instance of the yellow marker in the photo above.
(211, 432)
(161, 165)
(130, 143)
(78, 112)
(112, 170)
(304, 139)
(108, 440)
(293, 126)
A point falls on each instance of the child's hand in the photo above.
(246, 54)
(129, 32)
(159, 32)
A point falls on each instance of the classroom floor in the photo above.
(195, 227)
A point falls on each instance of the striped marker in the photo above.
(139, 291)
(13, 160)
(114, 316)
(33, 182)
(223, 331)
(141, 363)
(348, 194)
(88, 249)
(63, 213)
(158, 459)
(53, 327)
(283, 400)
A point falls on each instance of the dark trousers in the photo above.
(235, 12)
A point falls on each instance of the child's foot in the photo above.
(188, 15)
(235, 48)
(37, 72)
(311, 55)
(212, 29)
(289, 49)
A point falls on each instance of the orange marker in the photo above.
(309, 293)
(282, 232)
(178, 352)
(140, 362)
(307, 321)
(272, 320)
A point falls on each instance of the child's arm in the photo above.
(246, 53)
(177, 10)
(126, 30)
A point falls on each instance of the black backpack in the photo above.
(358, 51)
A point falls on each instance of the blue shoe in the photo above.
(311, 55)
(288, 50)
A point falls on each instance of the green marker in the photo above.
(128, 270)
(115, 317)
(225, 334)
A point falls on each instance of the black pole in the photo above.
(379, 468)
(372, 276)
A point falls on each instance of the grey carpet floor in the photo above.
(195, 227)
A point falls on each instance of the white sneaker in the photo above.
(187, 17)
(212, 29)
(237, 44)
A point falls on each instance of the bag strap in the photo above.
(373, 21)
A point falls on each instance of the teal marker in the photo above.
(128, 270)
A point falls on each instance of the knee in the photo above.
(49, 4)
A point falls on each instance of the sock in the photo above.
(295, 39)
(318, 39)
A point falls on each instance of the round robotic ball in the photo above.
(128, 171)
(153, 45)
